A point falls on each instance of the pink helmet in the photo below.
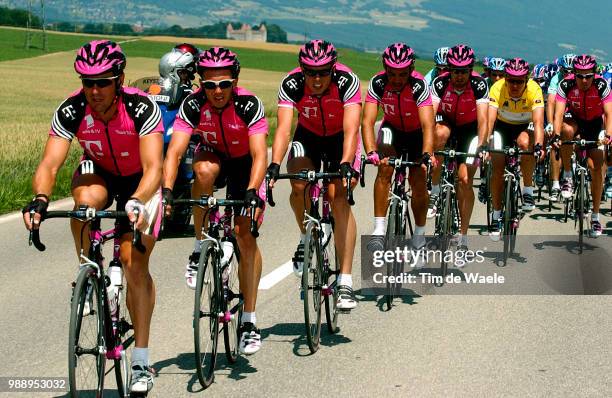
(317, 53)
(398, 56)
(460, 56)
(517, 67)
(99, 56)
(584, 62)
(219, 58)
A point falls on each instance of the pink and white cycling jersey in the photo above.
(228, 130)
(459, 107)
(400, 108)
(585, 105)
(113, 146)
(322, 115)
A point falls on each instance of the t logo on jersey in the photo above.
(69, 112)
(389, 109)
(193, 103)
(140, 108)
(94, 148)
(307, 112)
(248, 106)
(481, 86)
(292, 84)
(342, 81)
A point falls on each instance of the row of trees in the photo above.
(17, 17)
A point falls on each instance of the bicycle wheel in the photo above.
(206, 315)
(312, 279)
(580, 210)
(332, 270)
(234, 303)
(86, 362)
(125, 337)
(394, 229)
(509, 211)
(446, 228)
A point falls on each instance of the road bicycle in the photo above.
(99, 330)
(321, 269)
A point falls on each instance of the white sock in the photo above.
(435, 189)
(197, 246)
(496, 214)
(528, 190)
(302, 237)
(140, 356)
(567, 174)
(595, 216)
(345, 279)
(380, 225)
(463, 240)
(419, 230)
(249, 317)
(556, 185)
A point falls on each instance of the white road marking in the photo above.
(276, 276)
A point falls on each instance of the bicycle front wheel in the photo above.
(206, 316)
(396, 227)
(509, 211)
(581, 210)
(234, 304)
(312, 278)
(332, 270)
(86, 358)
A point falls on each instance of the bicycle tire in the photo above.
(86, 290)
(393, 229)
(235, 304)
(580, 212)
(332, 270)
(206, 315)
(125, 337)
(311, 287)
(445, 232)
(508, 215)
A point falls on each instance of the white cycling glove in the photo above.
(135, 204)
(548, 128)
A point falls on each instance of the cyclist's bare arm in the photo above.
(550, 107)
(350, 125)
(608, 118)
(435, 104)
(538, 125)
(426, 116)
(558, 117)
(54, 156)
(259, 152)
(283, 133)
(151, 153)
(492, 118)
(481, 119)
(174, 153)
(370, 112)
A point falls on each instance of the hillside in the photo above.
(538, 31)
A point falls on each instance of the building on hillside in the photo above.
(246, 33)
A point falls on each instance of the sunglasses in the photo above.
(222, 84)
(459, 71)
(315, 73)
(100, 82)
(497, 75)
(584, 76)
(515, 82)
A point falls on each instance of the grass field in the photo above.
(41, 82)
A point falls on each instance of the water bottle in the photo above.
(228, 252)
(115, 275)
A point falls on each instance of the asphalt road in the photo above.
(553, 341)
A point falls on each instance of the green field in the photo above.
(42, 82)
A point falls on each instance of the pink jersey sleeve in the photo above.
(259, 127)
(181, 125)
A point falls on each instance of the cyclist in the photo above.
(439, 58)
(406, 130)
(461, 100)
(177, 71)
(515, 101)
(496, 70)
(120, 131)
(327, 96)
(485, 67)
(587, 98)
(233, 130)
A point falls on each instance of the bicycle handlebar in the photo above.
(211, 201)
(86, 214)
(310, 176)
(395, 162)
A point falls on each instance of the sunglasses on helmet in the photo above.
(213, 84)
(100, 82)
(314, 73)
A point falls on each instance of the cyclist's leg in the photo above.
(441, 134)
(465, 176)
(498, 162)
(596, 164)
(206, 170)
(91, 190)
(411, 144)
(569, 130)
(525, 142)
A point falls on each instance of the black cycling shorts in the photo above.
(406, 144)
(510, 132)
(316, 148)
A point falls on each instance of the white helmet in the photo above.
(176, 60)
